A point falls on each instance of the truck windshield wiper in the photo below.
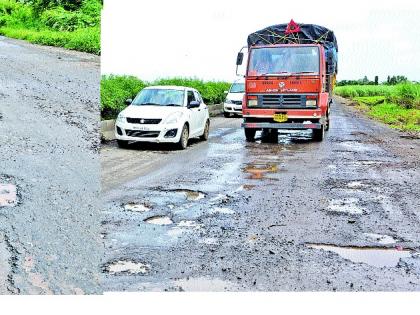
(276, 73)
(305, 72)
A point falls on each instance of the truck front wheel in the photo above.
(250, 134)
(318, 134)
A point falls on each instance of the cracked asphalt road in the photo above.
(297, 215)
(49, 141)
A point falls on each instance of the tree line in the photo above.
(391, 80)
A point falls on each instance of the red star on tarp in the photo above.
(292, 27)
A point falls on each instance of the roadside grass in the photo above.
(115, 89)
(76, 30)
(397, 106)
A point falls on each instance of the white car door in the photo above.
(202, 111)
(195, 115)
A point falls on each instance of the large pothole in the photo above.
(159, 220)
(373, 256)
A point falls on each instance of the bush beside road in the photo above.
(116, 89)
(71, 26)
(398, 105)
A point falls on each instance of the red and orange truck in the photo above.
(290, 75)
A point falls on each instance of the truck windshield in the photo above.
(283, 60)
(237, 88)
(159, 97)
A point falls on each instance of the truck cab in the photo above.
(287, 86)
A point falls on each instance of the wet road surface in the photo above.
(295, 215)
(49, 170)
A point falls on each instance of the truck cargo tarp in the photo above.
(308, 34)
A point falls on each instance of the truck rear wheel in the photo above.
(250, 134)
(327, 123)
(318, 134)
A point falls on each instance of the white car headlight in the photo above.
(173, 118)
(121, 118)
(227, 101)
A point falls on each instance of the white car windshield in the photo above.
(237, 88)
(159, 97)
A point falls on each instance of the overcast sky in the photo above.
(154, 39)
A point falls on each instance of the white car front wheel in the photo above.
(183, 140)
(205, 135)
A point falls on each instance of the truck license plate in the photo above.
(280, 117)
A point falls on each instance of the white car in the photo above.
(163, 114)
(233, 101)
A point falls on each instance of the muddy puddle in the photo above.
(191, 195)
(355, 146)
(260, 170)
(127, 267)
(159, 220)
(8, 195)
(373, 256)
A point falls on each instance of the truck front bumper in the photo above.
(264, 125)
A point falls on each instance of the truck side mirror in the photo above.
(239, 58)
(128, 101)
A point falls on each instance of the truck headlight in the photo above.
(252, 103)
(310, 102)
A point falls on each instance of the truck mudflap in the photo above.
(263, 125)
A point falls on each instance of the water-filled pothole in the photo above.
(373, 256)
(8, 195)
(137, 207)
(345, 205)
(191, 195)
(159, 220)
(127, 266)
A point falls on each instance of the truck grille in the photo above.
(142, 134)
(146, 121)
(281, 101)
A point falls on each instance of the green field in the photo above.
(69, 24)
(396, 105)
(116, 89)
